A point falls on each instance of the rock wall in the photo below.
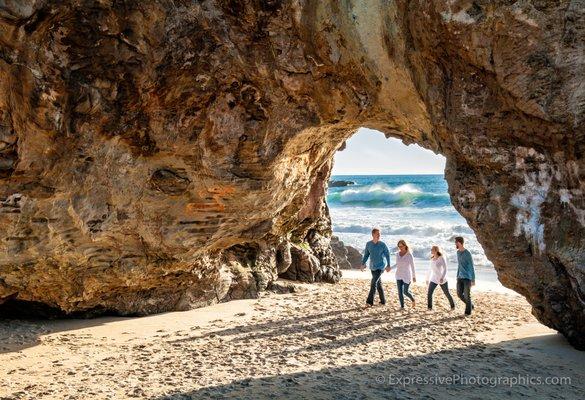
(159, 155)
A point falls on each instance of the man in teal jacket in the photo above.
(377, 252)
(465, 274)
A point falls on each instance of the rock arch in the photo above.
(166, 154)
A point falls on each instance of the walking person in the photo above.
(465, 274)
(438, 276)
(405, 273)
(377, 252)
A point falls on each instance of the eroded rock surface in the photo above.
(159, 155)
(348, 257)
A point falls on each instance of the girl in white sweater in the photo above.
(438, 276)
(404, 272)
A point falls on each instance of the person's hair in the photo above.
(437, 250)
(375, 230)
(459, 239)
(402, 241)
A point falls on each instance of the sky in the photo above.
(368, 152)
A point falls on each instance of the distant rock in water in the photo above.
(340, 183)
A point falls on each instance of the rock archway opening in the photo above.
(380, 182)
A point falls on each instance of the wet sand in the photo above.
(318, 342)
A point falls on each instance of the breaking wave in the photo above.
(380, 194)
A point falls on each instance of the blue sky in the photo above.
(368, 152)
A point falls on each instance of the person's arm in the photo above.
(365, 257)
(471, 268)
(411, 259)
(387, 255)
(444, 265)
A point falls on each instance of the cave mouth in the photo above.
(400, 189)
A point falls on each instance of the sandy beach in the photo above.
(317, 342)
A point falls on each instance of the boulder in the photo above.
(348, 257)
(354, 256)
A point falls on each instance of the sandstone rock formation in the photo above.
(165, 154)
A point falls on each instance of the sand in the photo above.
(318, 342)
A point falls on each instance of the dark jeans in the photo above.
(376, 284)
(464, 293)
(403, 291)
(445, 288)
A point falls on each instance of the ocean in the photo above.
(416, 208)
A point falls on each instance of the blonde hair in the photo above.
(437, 250)
(404, 243)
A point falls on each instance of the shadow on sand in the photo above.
(522, 368)
(481, 371)
(19, 334)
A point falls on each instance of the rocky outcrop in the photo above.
(340, 253)
(159, 155)
(354, 256)
(348, 257)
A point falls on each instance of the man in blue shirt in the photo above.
(377, 252)
(465, 274)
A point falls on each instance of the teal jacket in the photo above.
(465, 268)
(376, 252)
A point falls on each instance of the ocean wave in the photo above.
(425, 231)
(419, 229)
(421, 247)
(380, 194)
(420, 252)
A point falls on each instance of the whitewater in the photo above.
(416, 208)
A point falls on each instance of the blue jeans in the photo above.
(445, 288)
(376, 284)
(403, 291)
(464, 293)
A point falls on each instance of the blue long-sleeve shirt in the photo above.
(376, 252)
(465, 268)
